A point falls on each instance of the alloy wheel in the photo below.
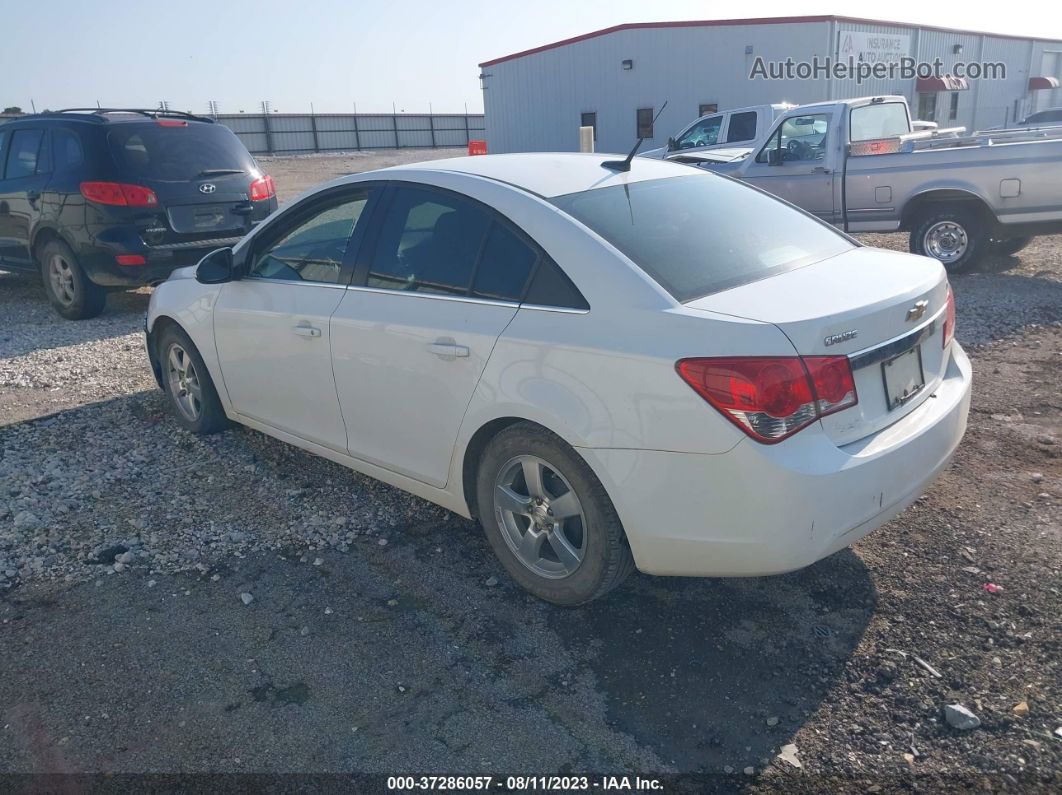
(61, 277)
(540, 516)
(184, 382)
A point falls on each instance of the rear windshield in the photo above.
(176, 154)
(699, 234)
(884, 120)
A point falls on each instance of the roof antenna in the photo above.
(625, 165)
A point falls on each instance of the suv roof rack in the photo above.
(150, 113)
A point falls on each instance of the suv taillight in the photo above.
(949, 319)
(263, 188)
(120, 194)
(772, 397)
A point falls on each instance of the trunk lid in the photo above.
(882, 309)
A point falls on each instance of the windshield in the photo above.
(699, 234)
(177, 154)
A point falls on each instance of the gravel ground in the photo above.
(235, 604)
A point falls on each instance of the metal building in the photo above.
(614, 79)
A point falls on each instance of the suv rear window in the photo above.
(699, 234)
(176, 154)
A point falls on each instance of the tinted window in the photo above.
(69, 154)
(550, 286)
(504, 267)
(429, 243)
(312, 251)
(44, 155)
(880, 121)
(176, 154)
(699, 234)
(22, 154)
(3, 139)
(703, 133)
(742, 127)
(800, 138)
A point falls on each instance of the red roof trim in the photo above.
(709, 23)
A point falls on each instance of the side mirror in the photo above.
(774, 157)
(672, 145)
(216, 267)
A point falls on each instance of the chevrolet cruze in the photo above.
(611, 365)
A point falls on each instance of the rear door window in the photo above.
(504, 266)
(177, 151)
(22, 153)
(742, 127)
(699, 234)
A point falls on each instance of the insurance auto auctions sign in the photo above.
(873, 48)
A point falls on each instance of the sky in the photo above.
(413, 55)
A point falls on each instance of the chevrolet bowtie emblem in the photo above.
(917, 311)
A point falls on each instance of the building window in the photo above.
(589, 120)
(645, 122)
(927, 107)
(953, 111)
(706, 108)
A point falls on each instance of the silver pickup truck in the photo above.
(857, 164)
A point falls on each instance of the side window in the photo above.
(22, 153)
(3, 152)
(703, 133)
(429, 243)
(742, 127)
(44, 155)
(67, 150)
(551, 286)
(504, 266)
(312, 251)
(798, 139)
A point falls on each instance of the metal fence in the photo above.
(289, 133)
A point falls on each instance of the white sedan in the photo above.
(657, 368)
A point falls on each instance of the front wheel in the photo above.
(952, 235)
(188, 384)
(548, 518)
(70, 291)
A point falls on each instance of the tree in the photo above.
(13, 109)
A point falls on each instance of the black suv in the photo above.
(97, 199)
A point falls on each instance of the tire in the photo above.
(1010, 246)
(945, 228)
(188, 385)
(584, 554)
(70, 291)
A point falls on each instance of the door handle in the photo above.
(448, 349)
(306, 331)
(821, 170)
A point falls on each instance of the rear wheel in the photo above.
(952, 235)
(188, 384)
(548, 518)
(70, 291)
(1009, 246)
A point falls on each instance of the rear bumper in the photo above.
(767, 509)
(99, 262)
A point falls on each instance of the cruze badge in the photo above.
(844, 336)
(917, 311)
(207, 187)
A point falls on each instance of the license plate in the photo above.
(903, 377)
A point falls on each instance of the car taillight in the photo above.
(772, 397)
(171, 123)
(120, 194)
(263, 188)
(949, 319)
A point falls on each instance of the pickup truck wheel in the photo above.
(187, 382)
(70, 291)
(548, 518)
(953, 236)
(1012, 245)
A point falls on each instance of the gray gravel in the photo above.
(257, 588)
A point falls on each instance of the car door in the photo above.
(412, 335)
(794, 164)
(27, 165)
(271, 327)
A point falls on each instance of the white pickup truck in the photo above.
(856, 164)
(737, 127)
